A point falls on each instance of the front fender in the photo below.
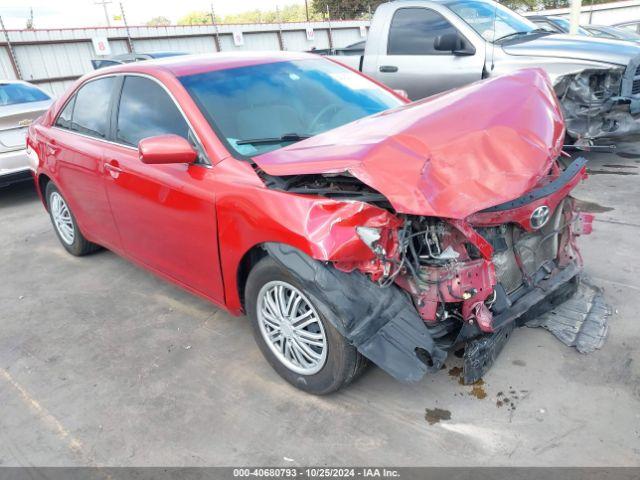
(322, 228)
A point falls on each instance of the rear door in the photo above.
(411, 63)
(165, 213)
(75, 153)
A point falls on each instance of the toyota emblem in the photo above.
(539, 217)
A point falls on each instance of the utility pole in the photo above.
(217, 31)
(574, 16)
(30, 20)
(306, 9)
(126, 26)
(330, 33)
(280, 40)
(104, 6)
(12, 53)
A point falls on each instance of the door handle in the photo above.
(113, 168)
(388, 68)
(52, 147)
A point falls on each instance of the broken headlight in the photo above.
(370, 236)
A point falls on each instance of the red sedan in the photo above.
(343, 221)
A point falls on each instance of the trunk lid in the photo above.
(14, 121)
(449, 155)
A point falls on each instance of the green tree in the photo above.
(289, 13)
(523, 5)
(159, 22)
(196, 18)
(345, 9)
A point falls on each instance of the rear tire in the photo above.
(322, 367)
(65, 225)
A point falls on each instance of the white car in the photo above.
(20, 104)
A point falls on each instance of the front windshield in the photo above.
(260, 108)
(479, 14)
(621, 33)
(566, 25)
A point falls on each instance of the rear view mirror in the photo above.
(454, 43)
(166, 149)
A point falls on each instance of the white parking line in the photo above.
(42, 413)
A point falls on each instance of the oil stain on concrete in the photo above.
(435, 415)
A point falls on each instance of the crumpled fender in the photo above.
(382, 323)
(331, 229)
(249, 215)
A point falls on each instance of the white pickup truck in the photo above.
(428, 46)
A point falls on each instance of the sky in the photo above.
(76, 13)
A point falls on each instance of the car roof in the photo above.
(191, 64)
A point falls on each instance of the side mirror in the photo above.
(166, 149)
(454, 43)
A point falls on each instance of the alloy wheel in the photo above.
(62, 218)
(291, 327)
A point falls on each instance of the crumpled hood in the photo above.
(448, 156)
(576, 47)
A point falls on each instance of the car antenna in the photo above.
(493, 40)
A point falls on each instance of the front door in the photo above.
(165, 213)
(411, 63)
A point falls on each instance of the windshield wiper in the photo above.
(537, 30)
(287, 137)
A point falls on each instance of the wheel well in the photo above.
(249, 260)
(43, 180)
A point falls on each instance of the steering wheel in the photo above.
(322, 113)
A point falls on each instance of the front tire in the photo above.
(301, 345)
(65, 225)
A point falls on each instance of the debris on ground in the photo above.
(581, 321)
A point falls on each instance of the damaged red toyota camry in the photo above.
(347, 223)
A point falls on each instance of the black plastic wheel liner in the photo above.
(382, 323)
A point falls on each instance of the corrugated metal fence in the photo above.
(55, 58)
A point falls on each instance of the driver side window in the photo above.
(146, 110)
(414, 31)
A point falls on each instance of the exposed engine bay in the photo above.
(471, 281)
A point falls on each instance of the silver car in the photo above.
(20, 104)
(424, 47)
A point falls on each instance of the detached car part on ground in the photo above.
(381, 229)
(428, 46)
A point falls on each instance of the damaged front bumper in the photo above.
(430, 284)
(601, 103)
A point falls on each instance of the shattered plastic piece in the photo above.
(382, 323)
(480, 353)
(579, 322)
(448, 254)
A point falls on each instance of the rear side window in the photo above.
(91, 108)
(146, 110)
(65, 117)
(414, 30)
(15, 93)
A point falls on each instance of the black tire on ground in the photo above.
(80, 245)
(343, 363)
